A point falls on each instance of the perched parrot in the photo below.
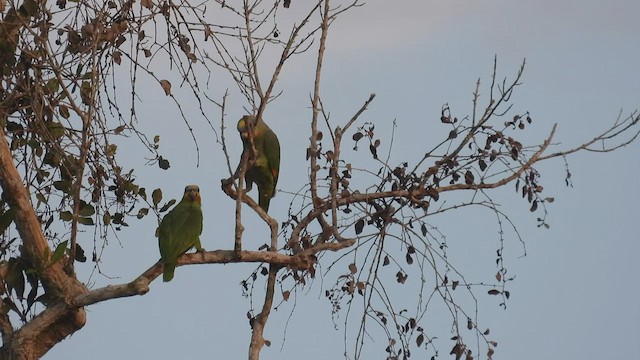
(180, 230)
(264, 171)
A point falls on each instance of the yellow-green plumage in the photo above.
(180, 230)
(264, 171)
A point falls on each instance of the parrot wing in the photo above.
(271, 148)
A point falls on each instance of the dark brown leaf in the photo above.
(468, 177)
(374, 151)
(409, 259)
(482, 164)
(359, 226)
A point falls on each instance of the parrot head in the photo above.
(192, 193)
(248, 121)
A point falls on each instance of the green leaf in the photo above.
(156, 197)
(80, 257)
(6, 218)
(33, 284)
(106, 218)
(59, 252)
(62, 185)
(143, 193)
(56, 130)
(118, 218)
(41, 198)
(86, 209)
(15, 277)
(163, 163)
(85, 221)
(66, 216)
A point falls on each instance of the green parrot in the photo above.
(264, 171)
(180, 230)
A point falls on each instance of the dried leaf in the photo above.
(117, 56)
(494, 292)
(419, 340)
(166, 86)
(353, 268)
(285, 295)
(147, 3)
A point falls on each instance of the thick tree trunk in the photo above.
(60, 319)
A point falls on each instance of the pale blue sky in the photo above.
(576, 293)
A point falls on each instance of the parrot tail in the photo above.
(264, 202)
(167, 274)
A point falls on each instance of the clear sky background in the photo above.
(576, 293)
